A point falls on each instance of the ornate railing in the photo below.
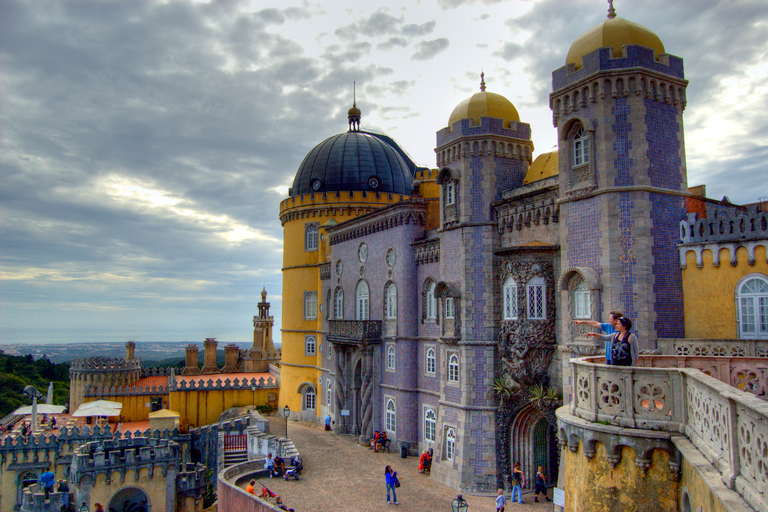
(355, 331)
(701, 347)
(745, 373)
(727, 425)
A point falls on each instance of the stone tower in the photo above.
(618, 105)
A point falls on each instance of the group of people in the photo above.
(378, 441)
(621, 347)
(267, 494)
(518, 482)
(276, 466)
(425, 461)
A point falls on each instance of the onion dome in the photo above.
(614, 33)
(544, 166)
(355, 160)
(484, 104)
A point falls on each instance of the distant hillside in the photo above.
(17, 372)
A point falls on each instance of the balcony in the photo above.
(355, 332)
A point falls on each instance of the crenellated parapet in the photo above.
(100, 392)
(102, 364)
(123, 456)
(191, 480)
(224, 384)
(334, 203)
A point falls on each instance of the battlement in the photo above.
(123, 455)
(33, 500)
(157, 372)
(336, 201)
(104, 364)
(99, 392)
(224, 385)
(725, 225)
(191, 479)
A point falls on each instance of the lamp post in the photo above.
(83, 507)
(253, 398)
(286, 412)
(459, 504)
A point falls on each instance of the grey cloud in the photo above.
(413, 30)
(381, 23)
(452, 4)
(392, 42)
(509, 51)
(426, 50)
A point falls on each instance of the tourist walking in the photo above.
(517, 483)
(392, 482)
(501, 501)
(624, 350)
(540, 485)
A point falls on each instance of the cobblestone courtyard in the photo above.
(340, 475)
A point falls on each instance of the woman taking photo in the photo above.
(624, 350)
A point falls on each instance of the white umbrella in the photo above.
(101, 403)
(98, 408)
(41, 409)
(49, 398)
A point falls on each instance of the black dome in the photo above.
(355, 161)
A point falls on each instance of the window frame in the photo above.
(450, 444)
(759, 308)
(390, 357)
(338, 304)
(309, 398)
(450, 310)
(581, 151)
(310, 345)
(453, 368)
(536, 283)
(430, 361)
(310, 305)
(430, 425)
(311, 236)
(430, 301)
(362, 302)
(582, 301)
(390, 423)
(328, 392)
(390, 296)
(450, 192)
(509, 293)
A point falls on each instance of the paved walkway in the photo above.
(340, 475)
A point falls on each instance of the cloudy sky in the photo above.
(145, 146)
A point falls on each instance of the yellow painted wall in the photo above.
(301, 273)
(698, 490)
(710, 293)
(593, 485)
(8, 478)
(154, 487)
(198, 408)
(134, 406)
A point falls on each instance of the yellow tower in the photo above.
(343, 177)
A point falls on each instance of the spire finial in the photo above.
(354, 93)
(482, 80)
(354, 114)
(611, 10)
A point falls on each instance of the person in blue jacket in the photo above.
(608, 328)
(391, 478)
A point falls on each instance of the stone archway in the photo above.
(531, 442)
(129, 499)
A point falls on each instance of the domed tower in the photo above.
(344, 176)
(618, 107)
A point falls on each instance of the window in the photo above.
(450, 193)
(327, 305)
(537, 309)
(391, 299)
(309, 398)
(450, 444)
(391, 416)
(580, 147)
(431, 360)
(752, 302)
(510, 299)
(390, 357)
(361, 312)
(430, 425)
(338, 308)
(431, 302)
(328, 393)
(582, 301)
(453, 368)
(309, 345)
(311, 236)
(449, 313)
(310, 305)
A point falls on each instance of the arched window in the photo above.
(311, 236)
(430, 302)
(537, 298)
(450, 444)
(310, 345)
(390, 357)
(391, 302)
(510, 299)
(309, 398)
(430, 425)
(338, 307)
(582, 301)
(453, 368)
(431, 360)
(580, 147)
(310, 305)
(391, 416)
(361, 311)
(752, 300)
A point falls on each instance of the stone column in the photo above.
(366, 393)
(340, 390)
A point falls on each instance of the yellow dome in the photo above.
(544, 166)
(615, 33)
(484, 104)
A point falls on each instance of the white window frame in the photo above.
(391, 308)
(391, 416)
(752, 307)
(537, 289)
(310, 305)
(390, 357)
(450, 311)
(309, 400)
(580, 147)
(328, 393)
(430, 425)
(450, 444)
(431, 360)
(582, 301)
(450, 192)
(310, 345)
(362, 304)
(338, 304)
(510, 298)
(453, 367)
(311, 236)
(431, 301)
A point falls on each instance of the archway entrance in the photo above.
(530, 443)
(129, 499)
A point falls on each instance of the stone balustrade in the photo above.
(355, 331)
(728, 426)
(723, 347)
